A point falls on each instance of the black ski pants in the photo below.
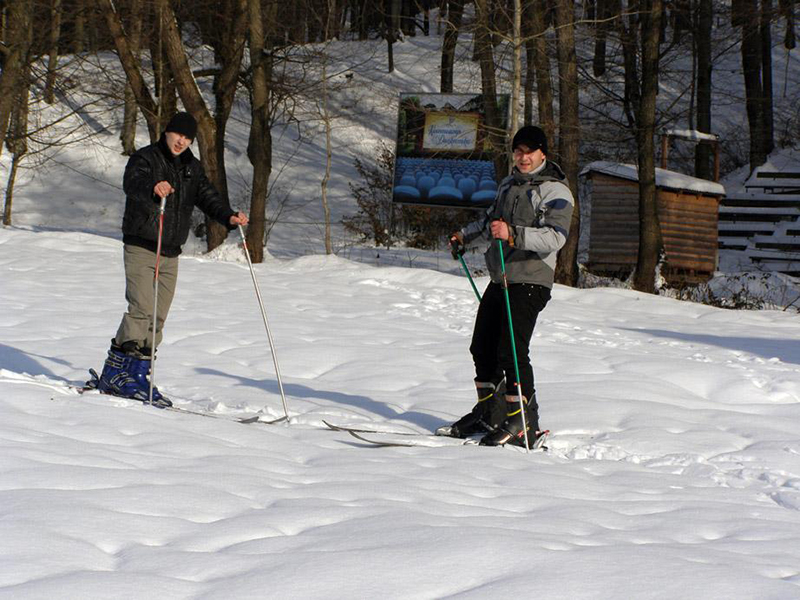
(491, 343)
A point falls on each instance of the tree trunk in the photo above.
(449, 45)
(754, 93)
(768, 137)
(79, 24)
(702, 35)
(52, 59)
(627, 28)
(259, 145)
(17, 139)
(127, 135)
(483, 48)
(544, 86)
(326, 118)
(163, 77)
(230, 52)
(517, 70)
(786, 8)
(193, 102)
(600, 37)
(392, 20)
(133, 73)
(530, 65)
(569, 134)
(15, 65)
(650, 243)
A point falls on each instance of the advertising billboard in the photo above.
(445, 155)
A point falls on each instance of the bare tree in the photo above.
(747, 15)
(605, 9)
(52, 60)
(225, 29)
(15, 56)
(133, 73)
(786, 9)
(535, 25)
(516, 42)
(569, 133)
(17, 137)
(259, 145)
(484, 51)
(194, 102)
(704, 21)
(79, 26)
(326, 119)
(643, 102)
(449, 45)
(128, 132)
(765, 31)
(392, 26)
(165, 86)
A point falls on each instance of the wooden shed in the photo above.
(687, 208)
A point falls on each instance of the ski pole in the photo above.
(155, 298)
(266, 323)
(471, 282)
(513, 346)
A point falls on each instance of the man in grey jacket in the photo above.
(531, 216)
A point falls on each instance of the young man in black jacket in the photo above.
(166, 169)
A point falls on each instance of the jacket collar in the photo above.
(547, 171)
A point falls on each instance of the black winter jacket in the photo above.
(145, 169)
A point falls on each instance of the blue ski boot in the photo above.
(139, 370)
(124, 375)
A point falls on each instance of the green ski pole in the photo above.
(471, 282)
(513, 346)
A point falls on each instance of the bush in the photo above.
(381, 221)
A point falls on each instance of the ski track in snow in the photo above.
(726, 469)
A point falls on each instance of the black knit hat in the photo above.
(532, 137)
(184, 124)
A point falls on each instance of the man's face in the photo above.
(177, 142)
(527, 160)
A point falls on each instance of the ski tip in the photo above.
(258, 419)
(541, 439)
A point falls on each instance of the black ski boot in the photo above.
(511, 430)
(485, 416)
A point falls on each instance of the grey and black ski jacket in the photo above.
(145, 169)
(538, 208)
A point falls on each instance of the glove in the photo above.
(456, 243)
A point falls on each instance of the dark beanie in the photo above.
(532, 137)
(184, 124)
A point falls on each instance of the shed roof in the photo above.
(665, 179)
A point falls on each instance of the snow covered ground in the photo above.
(673, 470)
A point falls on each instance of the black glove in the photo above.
(456, 247)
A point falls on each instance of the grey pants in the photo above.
(137, 322)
